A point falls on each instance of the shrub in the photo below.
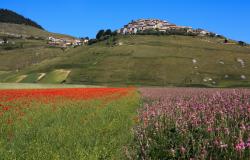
(100, 34)
(241, 43)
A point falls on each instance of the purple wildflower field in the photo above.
(187, 123)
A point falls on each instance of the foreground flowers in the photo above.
(194, 124)
(68, 93)
(66, 123)
(96, 124)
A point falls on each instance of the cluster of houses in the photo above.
(66, 42)
(155, 24)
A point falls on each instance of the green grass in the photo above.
(56, 76)
(74, 130)
(3, 72)
(31, 78)
(16, 78)
(21, 53)
(41, 86)
(25, 30)
(32, 53)
(151, 61)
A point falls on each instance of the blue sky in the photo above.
(85, 17)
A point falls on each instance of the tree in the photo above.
(114, 33)
(241, 43)
(225, 41)
(108, 32)
(83, 38)
(92, 41)
(100, 34)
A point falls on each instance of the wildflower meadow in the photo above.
(194, 124)
(125, 123)
(89, 123)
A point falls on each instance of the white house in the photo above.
(203, 32)
(135, 30)
(51, 38)
(77, 42)
(119, 31)
(125, 30)
(85, 41)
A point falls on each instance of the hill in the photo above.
(8, 16)
(24, 43)
(145, 61)
(160, 27)
(24, 31)
(26, 46)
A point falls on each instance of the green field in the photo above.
(145, 61)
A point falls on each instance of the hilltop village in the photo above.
(144, 25)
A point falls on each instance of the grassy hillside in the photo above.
(27, 46)
(30, 52)
(148, 60)
(8, 29)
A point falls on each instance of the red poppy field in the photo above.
(88, 123)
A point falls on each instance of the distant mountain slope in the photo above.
(26, 46)
(18, 30)
(8, 16)
(146, 61)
